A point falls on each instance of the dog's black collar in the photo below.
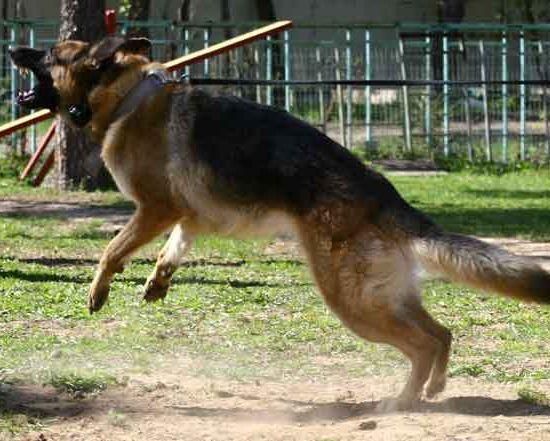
(151, 84)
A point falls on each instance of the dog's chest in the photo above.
(119, 161)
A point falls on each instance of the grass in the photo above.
(248, 313)
(533, 396)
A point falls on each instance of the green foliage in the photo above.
(11, 166)
(124, 7)
(533, 396)
(455, 163)
(80, 383)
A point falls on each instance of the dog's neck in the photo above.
(147, 87)
(113, 103)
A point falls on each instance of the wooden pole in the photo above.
(44, 170)
(43, 144)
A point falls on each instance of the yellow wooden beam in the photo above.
(25, 121)
(227, 45)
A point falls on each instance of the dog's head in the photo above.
(68, 73)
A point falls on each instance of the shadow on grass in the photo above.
(39, 277)
(70, 262)
(510, 194)
(34, 276)
(530, 222)
(17, 208)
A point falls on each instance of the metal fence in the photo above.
(479, 91)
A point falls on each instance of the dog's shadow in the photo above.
(306, 412)
(44, 403)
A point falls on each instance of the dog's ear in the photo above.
(106, 49)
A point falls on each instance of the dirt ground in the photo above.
(171, 404)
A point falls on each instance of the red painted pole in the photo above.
(43, 144)
(45, 169)
(110, 21)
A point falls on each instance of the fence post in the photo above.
(407, 125)
(468, 124)
(269, 66)
(287, 69)
(320, 91)
(544, 60)
(14, 84)
(339, 96)
(32, 43)
(445, 94)
(488, 150)
(187, 69)
(522, 109)
(206, 38)
(349, 103)
(428, 109)
(258, 73)
(504, 97)
(368, 74)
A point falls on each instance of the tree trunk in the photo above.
(78, 159)
(139, 11)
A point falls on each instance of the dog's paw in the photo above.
(435, 387)
(97, 297)
(154, 290)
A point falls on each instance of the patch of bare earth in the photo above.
(172, 405)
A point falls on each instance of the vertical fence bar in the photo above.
(368, 74)
(258, 73)
(544, 61)
(32, 43)
(186, 50)
(269, 67)
(445, 94)
(206, 43)
(468, 125)
(522, 97)
(407, 116)
(339, 96)
(14, 86)
(320, 91)
(286, 39)
(504, 97)
(488, 151)
(428, 109)
(349, 97)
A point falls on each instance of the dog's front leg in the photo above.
(168, 261)
(144, 226)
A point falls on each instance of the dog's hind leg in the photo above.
(168, 261)
(143, 227)
(370, 284)
(438, 376)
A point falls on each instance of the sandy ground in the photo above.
(170, 404)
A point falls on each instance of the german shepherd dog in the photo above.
(200, 164)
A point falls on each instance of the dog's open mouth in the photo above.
(44, 94)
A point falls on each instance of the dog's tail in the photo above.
(473, 262)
